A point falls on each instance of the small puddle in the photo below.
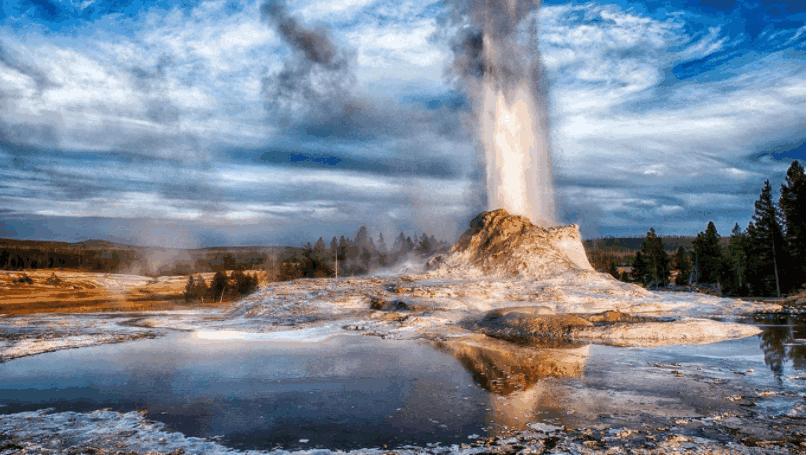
(351, 391)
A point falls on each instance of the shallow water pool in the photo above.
(349, 391)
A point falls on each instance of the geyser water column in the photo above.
(518, 168)
(497, 59)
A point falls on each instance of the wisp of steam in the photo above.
(497, 61)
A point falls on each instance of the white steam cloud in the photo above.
(497, 61)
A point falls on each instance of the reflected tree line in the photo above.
(777, 341)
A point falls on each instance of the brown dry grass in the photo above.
(81, 292)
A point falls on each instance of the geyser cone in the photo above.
(500, 244)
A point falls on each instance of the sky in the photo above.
(197, 123)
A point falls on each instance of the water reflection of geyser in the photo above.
(513, 374)
(496, 58)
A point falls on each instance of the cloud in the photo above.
(316, 76)
(666, 116)
(622, 119)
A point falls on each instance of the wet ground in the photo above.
(353, 391)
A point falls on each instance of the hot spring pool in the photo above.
(350, 391)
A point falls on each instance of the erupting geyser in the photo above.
(498, 62)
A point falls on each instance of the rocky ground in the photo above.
(424, 306)
(412, 309)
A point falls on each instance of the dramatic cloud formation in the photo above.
(317, 76)
(268, 121)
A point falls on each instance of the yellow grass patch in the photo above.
(70, 291)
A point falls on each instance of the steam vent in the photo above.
(499, 244)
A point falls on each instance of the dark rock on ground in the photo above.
(530, 325)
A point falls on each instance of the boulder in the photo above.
(528, 326)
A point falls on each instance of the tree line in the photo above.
(357, 256)
(221, 286)
(765, 259)
(108, 257)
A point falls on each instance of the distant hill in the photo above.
(95, 243)
(104, 256)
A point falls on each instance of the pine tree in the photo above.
(381, 245)
(189, 288)
(737, 263)
(654, 260)
(319, 246)
(708, 255)
(613, 269)
(424, 247)
(362, 239)
(409, 245)
(218, 286)
(244, 283)
(381, 248)
(766, 245)
(236, 280)
(342, 248)
(792, 208)
(200, 288)
(681, 261)
(434, 244)
(400, 245)
(639, 268)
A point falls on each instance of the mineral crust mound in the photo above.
(498, 244)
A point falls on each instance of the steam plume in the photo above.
(498, 65)
(318, 72)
